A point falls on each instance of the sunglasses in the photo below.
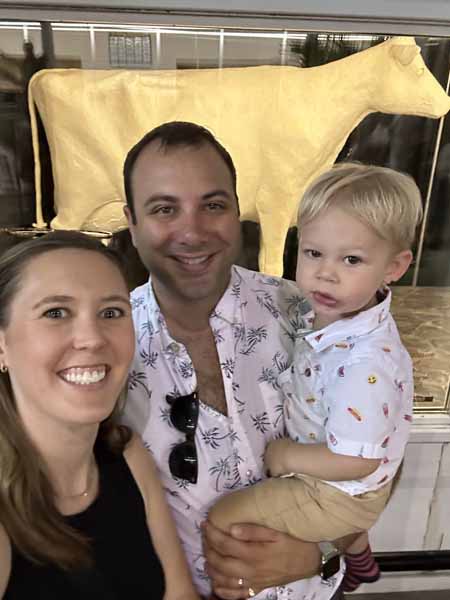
(183, 462)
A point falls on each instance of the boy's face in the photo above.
(342, 263)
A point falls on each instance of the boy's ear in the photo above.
(398, 266)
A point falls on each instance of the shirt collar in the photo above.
(154, 312)
(227, 305)
(347, 330)
(225, 308)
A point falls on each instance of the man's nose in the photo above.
(193, 229)
(88, 333)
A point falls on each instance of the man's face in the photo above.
(187, 229)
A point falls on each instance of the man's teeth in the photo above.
(84, 376)
(194, 261)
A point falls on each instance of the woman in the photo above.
(82, 513)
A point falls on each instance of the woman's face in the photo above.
(70, 339)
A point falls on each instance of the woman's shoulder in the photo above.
(141, 465)
(5, 560)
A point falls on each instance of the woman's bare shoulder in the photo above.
(136, 455)
(142, 466)
(5, 560)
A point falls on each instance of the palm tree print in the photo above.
(271, 281)
(221, 469)
(186, 369)
(226, 468)
(236, 481)
(241, 403)
(279, 412)
(265, 300)
(149, 358)
(218, 336)
(297, 305)
(280, 363)
(137, 302)
(146, 329)
(298, 328)
(236, 288)
(268, 376)
(176, 494)
(136, 379)
(165, 415)
(261, 422)
(255, 335)
(212, 438)
(228, 367)
(182, 484)
(238, 334)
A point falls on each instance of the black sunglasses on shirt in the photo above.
(183, 462)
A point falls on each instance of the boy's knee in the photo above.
(236, 507)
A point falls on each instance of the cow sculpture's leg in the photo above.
(275, 220)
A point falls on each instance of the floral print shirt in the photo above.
(351, 386)
(254, 325)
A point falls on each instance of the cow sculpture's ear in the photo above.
(404, 54)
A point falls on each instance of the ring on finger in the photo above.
(251, 592)
(240, 582)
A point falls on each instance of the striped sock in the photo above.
(360, 568)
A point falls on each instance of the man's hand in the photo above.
(276, 458)
(259, 556)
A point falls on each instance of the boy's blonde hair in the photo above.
(387, 201)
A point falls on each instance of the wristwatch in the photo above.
(331, 560)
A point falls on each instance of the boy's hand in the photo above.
(276, 458)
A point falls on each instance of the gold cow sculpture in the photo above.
(282, 125)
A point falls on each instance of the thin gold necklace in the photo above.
(85, 492)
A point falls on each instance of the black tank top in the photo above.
(126, 565)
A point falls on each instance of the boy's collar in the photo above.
(346, 330)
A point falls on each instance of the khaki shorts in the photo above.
(304, 507)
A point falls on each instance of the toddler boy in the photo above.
(349, 392)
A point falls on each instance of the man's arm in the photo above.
(262, 557)
(285, 456)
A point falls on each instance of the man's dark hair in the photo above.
(174, 134)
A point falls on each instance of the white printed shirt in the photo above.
(351, 387)
(254, 326)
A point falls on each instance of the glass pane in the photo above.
(72, 49)
(435, 263)
(20, 57)
(245, 50)
(190, 50)
(407, 143)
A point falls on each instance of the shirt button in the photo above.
(174, 347)
(249, 473)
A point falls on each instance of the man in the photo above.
(211, 341)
